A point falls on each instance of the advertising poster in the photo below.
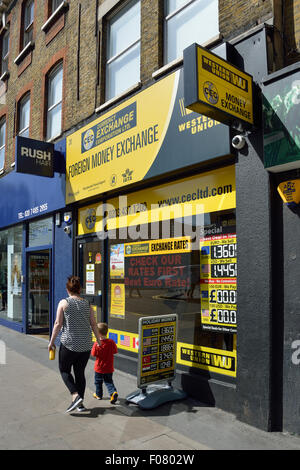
(157, 351)
(218, 275)
(117, 300)
(117, 261)
(214, 360)
(90, 279)
(163, 263)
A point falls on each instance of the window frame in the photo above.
(27, 29)
(5, 58)
(167, 18)
(110, 60)
(25, 98)
(3, 123)
(52, 73)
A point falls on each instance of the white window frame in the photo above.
(4, 59)
(2, 147)
(28, 29)
(167, 18)
(53, 73)
(112, 59)
(22, 103)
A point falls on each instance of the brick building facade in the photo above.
(79, 46)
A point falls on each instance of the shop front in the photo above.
(153, 186)
(31, 233)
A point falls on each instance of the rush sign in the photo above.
(34, 157)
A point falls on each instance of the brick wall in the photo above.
(292, 30)
(60, 41)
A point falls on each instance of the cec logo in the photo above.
(88, 139)
(90, 219)
(210, 92)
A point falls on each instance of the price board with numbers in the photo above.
(157, 350)
(218, 274)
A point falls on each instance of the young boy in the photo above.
(104, 364)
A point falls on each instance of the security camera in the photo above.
(67, 230)
(238, 142)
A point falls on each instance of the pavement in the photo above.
(33, 400)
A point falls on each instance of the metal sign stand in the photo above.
(160, 333)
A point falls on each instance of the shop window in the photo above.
(4, 53)
(54, 102)
(172, 249)
(186, 22)
(123, 50)
(24, 116)
(2, 142)
(28, 22)
(10, 274)
(40, 233)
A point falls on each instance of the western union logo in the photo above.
(225, 74)
(206, 358)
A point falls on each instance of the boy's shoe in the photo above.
(74, 404)
(81, 408)
(96, 396)
(113, 398)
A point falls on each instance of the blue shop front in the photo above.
(35, 247)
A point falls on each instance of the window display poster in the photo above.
(117, 300)
(90, 279)
(117, 261)
(218, 278)
(157, 349)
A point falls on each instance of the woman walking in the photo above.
(76, 320)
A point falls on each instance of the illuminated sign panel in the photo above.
(215, 88)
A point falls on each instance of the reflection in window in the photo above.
(54, 108)
(10, 274)
(2, 142)
(40, 232)
(186, 22)
(54, 5)
(24, 116)
(123, 51)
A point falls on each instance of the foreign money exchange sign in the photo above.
(150, 134)
(157, 351)
(215, 88)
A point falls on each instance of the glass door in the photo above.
(38, 292)
(90, 271)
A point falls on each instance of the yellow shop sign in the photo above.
(216, 88)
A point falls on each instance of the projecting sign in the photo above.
(215, 88)
(34, 157)
(157, 349)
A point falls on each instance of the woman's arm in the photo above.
(94, 326)
(58, 322)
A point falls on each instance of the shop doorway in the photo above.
(38, 292)
(90, 269)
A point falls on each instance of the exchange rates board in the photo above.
(218, 262)
(157, 351)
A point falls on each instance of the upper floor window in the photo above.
(4, 52)
(54, 102)
(24, 116)
(2, 142)
(186, 22)
(54, 5)
(28, 22)
(123, 50)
